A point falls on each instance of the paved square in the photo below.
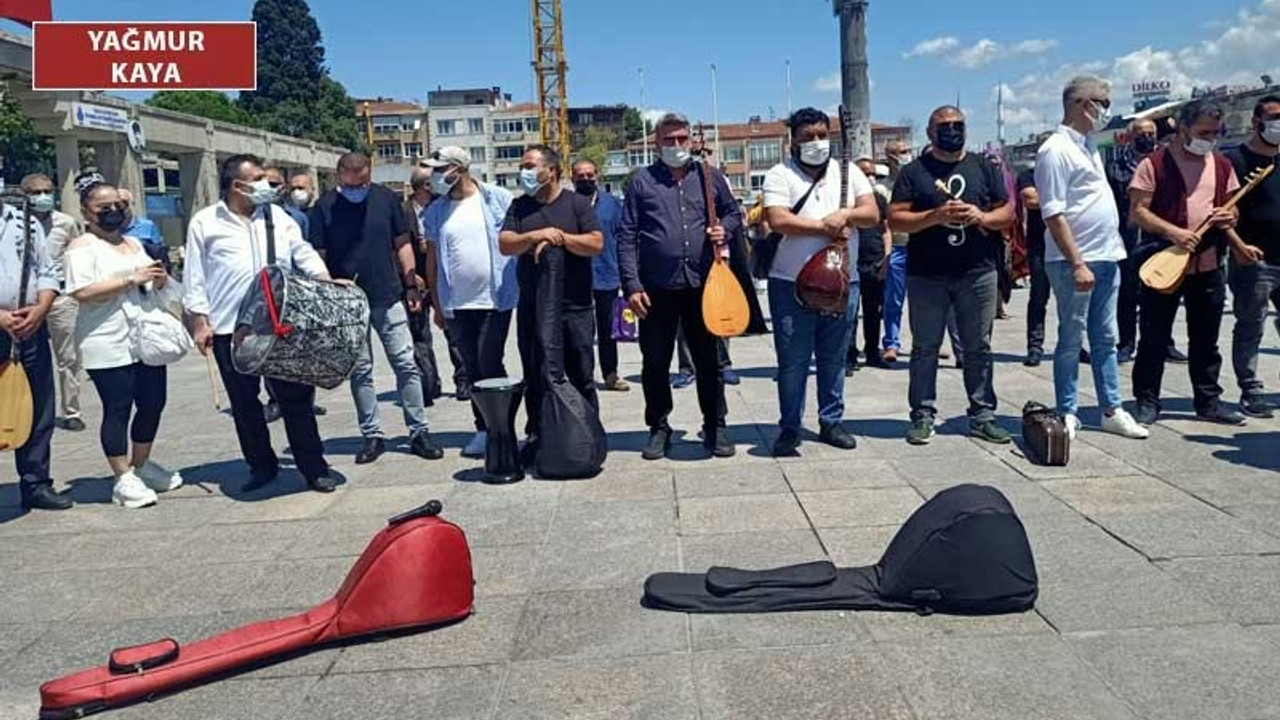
(1159, 564)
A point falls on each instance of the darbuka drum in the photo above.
(301, 330)
(498, 399)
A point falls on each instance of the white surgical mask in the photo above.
(1101, 120)
(529, 181)
(815, 152)
(902, 159)
(260, 192)
(676, 156)
(1200, 146)
(1271, 132)
(300, 197)
(442, 183)
(42, 203)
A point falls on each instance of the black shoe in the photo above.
(272, 412)
(372, 450)
(658, 445)
(1146, 413)
(462, 393)
(1257, 407)
(731, 377)
(787, 444)
(722, 445)
(422, 446)
(43, 497)
(1034, 358)
(1221, 414)
(1125, 354)
(323, 484)
(1174, 355)
(1084, 357)
(320, 410)
(260, 479)
(74, 424)
(837, 437)
(528, 454)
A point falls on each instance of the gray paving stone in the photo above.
(745, 513)
(638, 485)
(15, 638)
(857, 546)
(1194, 531)
(621, 561)
(829, 682)
(777, 630)
(334, 537)
(1244, 589)
(172, 590)
(1222, 672)
(640, 688)
(290, 583)
(495, 525)
(751, 550)
(860, 508)
(383, 501)
(462, 693)
(504, 570)
(485, 638)
(951, 467)
(1261, 516)
(906, 626)
(1118, 596)
(1097, 496)
(764, 479)
(1001, 679)
(236, 699)
(595, 522)
(296, 506)
(1086, 461)
(842, 475)
(596, 624)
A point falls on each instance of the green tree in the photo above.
(634, 124)
(204, 103)
(22, 150)
(596, 145)
(295, 94)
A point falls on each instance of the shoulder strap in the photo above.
(795, 210)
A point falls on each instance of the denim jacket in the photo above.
(503, 286)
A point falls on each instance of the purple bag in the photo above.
(626, 327)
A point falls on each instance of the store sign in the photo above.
(99, 117)
(144, 56)
(1152, 88)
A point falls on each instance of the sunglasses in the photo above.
(953, 125)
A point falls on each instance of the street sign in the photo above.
(144, 56)
(99, 117)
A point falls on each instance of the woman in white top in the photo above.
(107, 273)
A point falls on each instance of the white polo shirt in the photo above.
(785, 184)
(1072, 182)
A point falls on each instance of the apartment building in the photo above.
(611, 118)
(400, 137)
(462, 118)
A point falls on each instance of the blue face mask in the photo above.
(355, 194)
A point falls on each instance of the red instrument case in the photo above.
(416, 573)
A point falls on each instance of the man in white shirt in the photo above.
(1083, 262)
(22, 321)
(800, 333)
(226, 247)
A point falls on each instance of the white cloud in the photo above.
(828, 83)
(653, 115)
(936, 46)
(982, 53)
(1034, 47)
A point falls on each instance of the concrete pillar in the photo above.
(121, 167)
(68, 154)
(199, 180)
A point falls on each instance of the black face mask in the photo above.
(112, 220)
(1144, 144)
(585, 187)
(950, 138)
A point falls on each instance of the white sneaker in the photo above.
(476, 448)
(1073, 426)
(1122, 423)
(157, 478)
(131, 492)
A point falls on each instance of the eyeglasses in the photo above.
(1101, 102)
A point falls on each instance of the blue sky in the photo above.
(922, 53)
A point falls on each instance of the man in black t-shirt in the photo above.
(548, 215)
(1252, 285)
(954, 206)
(1039, 297)
(874, 245)
(363, 234)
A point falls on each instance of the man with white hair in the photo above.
(1083, 262)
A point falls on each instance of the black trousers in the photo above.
(871, 290)
(122, 389)
(1127, 303)
(1205, 296)
(579, 360)
(481, 339)
(297, 407)
(684, 361)
(672, 311)
(32, 459)
(604, 331)
(1037, 302)
(424, 354)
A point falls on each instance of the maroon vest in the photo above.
(1169, 201)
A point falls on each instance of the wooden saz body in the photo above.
(823, 282)
(17, 407)
(1165, 271)
(724, 305)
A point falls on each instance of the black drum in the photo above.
(498, 399)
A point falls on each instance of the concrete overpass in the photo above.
(197, 143)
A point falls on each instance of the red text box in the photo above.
(144, 56)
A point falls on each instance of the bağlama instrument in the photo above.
(823, 282)
(17, 407)
(297, 329)
(725, 311)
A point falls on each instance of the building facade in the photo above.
(462, 118)
(512, 129)
(401, 137)
(610, 118)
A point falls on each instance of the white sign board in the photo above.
(98, 117)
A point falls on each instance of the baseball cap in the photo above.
(446, 156)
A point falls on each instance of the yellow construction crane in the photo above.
(550, 67)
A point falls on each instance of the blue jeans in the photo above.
(392, 326)
(799, 334)
(1093, 311)
(895, 295)
(970, 301)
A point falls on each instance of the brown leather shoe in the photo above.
(891, 355)
(616, 384)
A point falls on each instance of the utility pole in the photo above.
(715, 111)
(644, 122)
(790, 109)
(855, 81)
